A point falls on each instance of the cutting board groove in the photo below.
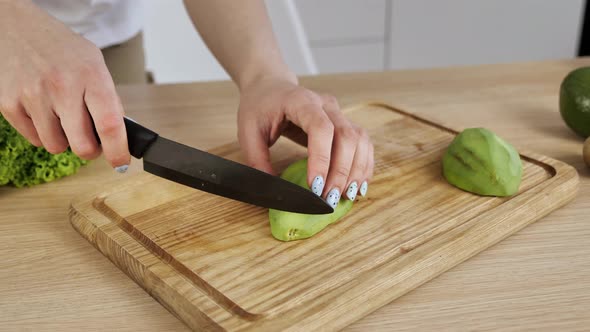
(213, 263)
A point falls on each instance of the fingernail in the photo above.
(317, 186)
(122, 168)
(364, 188)
(352, 190)
(333, 197)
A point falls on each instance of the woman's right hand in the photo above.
(54, 84)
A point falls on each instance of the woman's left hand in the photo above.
(340, 154)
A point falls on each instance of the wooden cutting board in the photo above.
(214, 264)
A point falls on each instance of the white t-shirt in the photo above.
(103, 22)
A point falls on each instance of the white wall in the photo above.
(324, 36)
(174, 50)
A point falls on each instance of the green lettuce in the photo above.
(23, 164)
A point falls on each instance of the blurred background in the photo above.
(332, 36)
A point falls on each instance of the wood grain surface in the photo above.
(213, 263)
(537, 279)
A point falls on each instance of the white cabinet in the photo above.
(345, 21)
(426, 33)
(345, 35)
(355, 35)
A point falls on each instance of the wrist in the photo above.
(269, 74)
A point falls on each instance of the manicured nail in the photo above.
(364, 188)
(333, 197)
(317, 186)
(122, 168)
(352, 190)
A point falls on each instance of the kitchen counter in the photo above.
(538, 279)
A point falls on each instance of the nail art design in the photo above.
(333, 197)
(317, 186)
(364, 188)
(352, 190)
(122, 168)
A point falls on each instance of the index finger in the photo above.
(320, 132)
(106, 110)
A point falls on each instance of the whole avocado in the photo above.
(479, 161)
(574, 101)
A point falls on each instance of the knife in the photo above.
(213, 174)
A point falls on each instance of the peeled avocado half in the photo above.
(480, 162)
(289, 226)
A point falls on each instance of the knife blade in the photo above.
(216, 175)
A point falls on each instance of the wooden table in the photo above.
(538, 279)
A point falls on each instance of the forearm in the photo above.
(239, 34)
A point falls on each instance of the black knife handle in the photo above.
(139, 138)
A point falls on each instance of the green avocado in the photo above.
(574, 101)
(479, 161)
(289, 226)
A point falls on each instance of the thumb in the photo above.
(254, 146)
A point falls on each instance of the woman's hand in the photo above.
(53, 83)
(272, 104)
(340, 154)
